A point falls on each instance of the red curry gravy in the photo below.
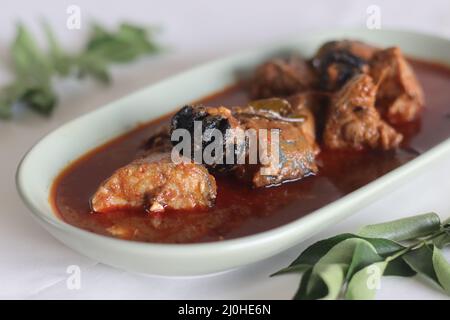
(241, 210)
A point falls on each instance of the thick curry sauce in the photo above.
(241, 210)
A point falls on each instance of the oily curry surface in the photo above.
(241, 210)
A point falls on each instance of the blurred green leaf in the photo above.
(42, 99)
(30, 64)
(61, 61)
(33, 77)
(34, 68)
(126, 44)
(8, 96)
(95, 67)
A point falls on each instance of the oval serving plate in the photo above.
(54, 152)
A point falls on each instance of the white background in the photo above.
(33, 264)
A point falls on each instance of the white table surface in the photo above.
(33, 264)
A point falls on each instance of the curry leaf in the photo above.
(404, 229)
(384, 247)
(421, 261)
(35, 68)
(30, 64)
(40, 98)
(365, 283)
(124, 45)
(329, 271)
(301, 293)
(333, 267)
(398, 267)
(442, 241)
(314, 252)
(93, 66)
(104, 47)
(332, 275)
(442, 269)
(296, 268)
(356, 262)
(363, 255)
(8, 96)
(61, 61)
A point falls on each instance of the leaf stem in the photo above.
(417, 245)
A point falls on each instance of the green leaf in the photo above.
(421, 261)
(360, 260)
(60, 60)
(332, 268)
(8, 96)
(5, 107)
(313, 253)
(365, 283)
(301, 293)
(298, 268)
(126, 44)
(34, 68)
(41, 99)
(384, 247)
(328, 273)
(30, 63)
(398, 267)
(403, 229)
(33, 84)
(104, 48)
(332, 275)
(364, 254)
(316, 251)
(442, 241)
(90, 65)
(442, 269)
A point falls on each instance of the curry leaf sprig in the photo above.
(350, 265)
(34, 69)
